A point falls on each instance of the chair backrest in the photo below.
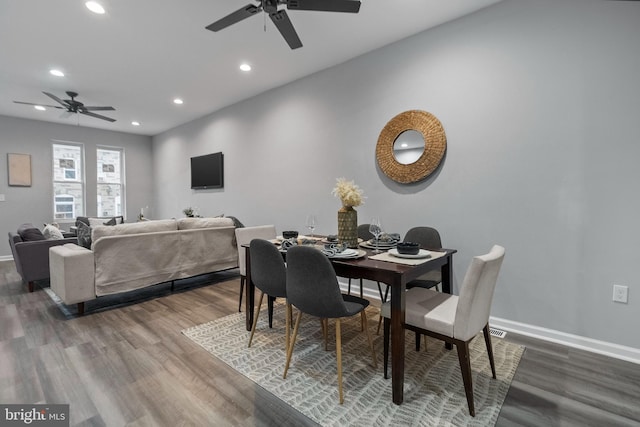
(364, 233)
(244, 237)
(476, 293)
(428, 237)
(312, 285)
(268, 271)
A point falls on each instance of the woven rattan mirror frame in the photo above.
(435, 146)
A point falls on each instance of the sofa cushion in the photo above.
(133, 228)
(51, 232)
(84, 235)
(191, 223)
(29, 233)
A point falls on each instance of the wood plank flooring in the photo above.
(126, 363)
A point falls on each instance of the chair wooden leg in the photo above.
(487, 341)
(339, 359)
(287, 326)
(363, 315)
(242, 279)
(387, 332)
(255, 318)
(465, 367)
(293, 343)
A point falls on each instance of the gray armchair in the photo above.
(32, 258)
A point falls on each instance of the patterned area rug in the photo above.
(433, 388)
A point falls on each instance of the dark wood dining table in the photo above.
(393, 274)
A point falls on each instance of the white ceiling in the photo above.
(142, 54)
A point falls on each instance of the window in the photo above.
(64, 208)
(68, 180)
(110, 173)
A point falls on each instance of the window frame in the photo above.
(80, 178)
(100, 165)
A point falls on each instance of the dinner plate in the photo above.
(382, 245)
(423, 253)
(349, 254)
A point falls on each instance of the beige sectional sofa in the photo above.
(130, 256)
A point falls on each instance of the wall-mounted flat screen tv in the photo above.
(207, 171)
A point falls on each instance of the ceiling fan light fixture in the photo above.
(245, 67)
(39, 107)
(56, 73)
(95, 7)
(178, 101)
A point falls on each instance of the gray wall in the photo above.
(35, 204)
(540, 101)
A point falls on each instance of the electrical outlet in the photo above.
(620, 293)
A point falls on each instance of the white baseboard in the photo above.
(6, 258)
(617, 351)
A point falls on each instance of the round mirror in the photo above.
(417, 160)
(408, 147)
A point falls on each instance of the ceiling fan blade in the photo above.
(284, 25)
(55, 98)
(97, 116)
(234, 17)
(349, 6)
(43, 105)
(98, 108)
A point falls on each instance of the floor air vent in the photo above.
(497, 333)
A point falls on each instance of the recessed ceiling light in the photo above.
(245, 67)
(56, 73)
(135, 123)
(39, 108)
(404, 145)
(95, 7)
(178, 101)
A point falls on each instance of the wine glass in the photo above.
(375, 228)
(311, 223)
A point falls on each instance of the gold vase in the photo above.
(348, 226)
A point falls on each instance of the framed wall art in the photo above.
(19, 168)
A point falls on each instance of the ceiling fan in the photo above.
(280, 17)
(73, 106)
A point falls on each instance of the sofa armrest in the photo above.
(72, 273)
(33, 257)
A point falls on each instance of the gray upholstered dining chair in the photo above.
(455, 319)
(244, 235)
(429, 238)
(269, 274)
(312, 287)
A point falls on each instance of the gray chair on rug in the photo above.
(243, 237)
(454, 319)
(312, 287)
(269, 275)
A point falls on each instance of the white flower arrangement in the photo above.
(348, 193)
